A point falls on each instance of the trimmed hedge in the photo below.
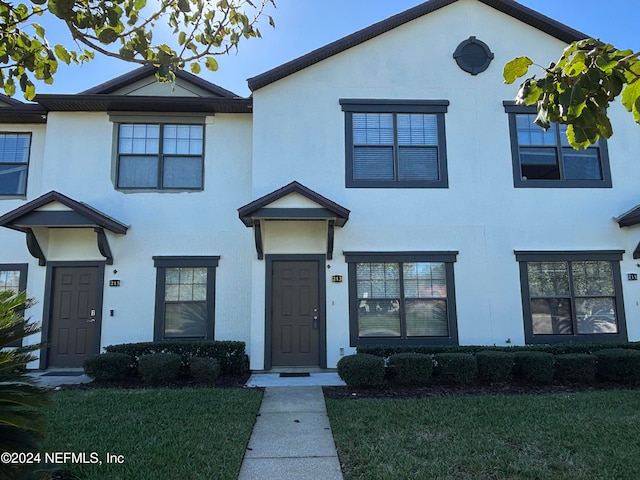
(457, 368)
(555, 349)
(204, 369)
(108, 366)
(361, 370)
(230, 354)
(160, 368)
(412, 368)
(538, 364)
(619, 365)
(535, 367)
(576, 368)
(494, 366)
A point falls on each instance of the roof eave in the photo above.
(23, 113)
(102, 103)
(629, 218)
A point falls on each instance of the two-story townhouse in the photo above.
(380, 189)
(129, 203)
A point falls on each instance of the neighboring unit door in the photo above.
(74, 322)
(295, 314)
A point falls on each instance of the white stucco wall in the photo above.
(79, 163)
(299, 135)
(13, 247)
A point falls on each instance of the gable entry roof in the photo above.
(509, 7)
(630, 219)
(78, 215)
(253, 213)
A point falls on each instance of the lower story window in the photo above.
(572, 296)
(13, 278)
(185, 293)
(398, 298)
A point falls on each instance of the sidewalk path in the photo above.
(292, 438)
(55, 378)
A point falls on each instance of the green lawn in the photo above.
(196, 433)
(589, 435)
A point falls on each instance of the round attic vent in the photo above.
(473, 56)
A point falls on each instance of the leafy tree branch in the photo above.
(123, 29)
(578, 89)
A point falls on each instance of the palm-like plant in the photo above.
(21, 401)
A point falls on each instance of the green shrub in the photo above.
(204, 369)
(494, 366)
(23, 405)
(576, 368)
(619, 365)
(534, 367)
(230, 354)
(108, 366)
(457, 368)
(159, 368)
(413, 368)
(361, 370)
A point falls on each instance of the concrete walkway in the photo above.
(292, 438)
(55, 378)
(329, 379)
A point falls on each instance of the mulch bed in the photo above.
(414, 391)
(387, 390)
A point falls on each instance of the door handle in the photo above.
(315, 322)
(91, 320)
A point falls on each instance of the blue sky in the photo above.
(304, 25)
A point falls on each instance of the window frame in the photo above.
(160, 156)
(436, 107)
(512, 110)
(22, 268)
(26, 164)
(162, 263)
(612, 256)
(446, 257)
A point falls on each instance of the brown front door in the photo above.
(75, 320)
(295, 314)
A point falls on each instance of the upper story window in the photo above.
(545, 158)
(160, 156)
(395, 143)
(14, 163)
